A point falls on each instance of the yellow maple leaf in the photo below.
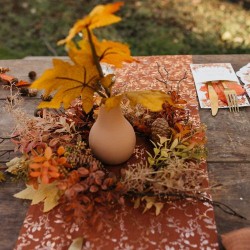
(107, 51)
(151, 99)
(101, 15)
(113, 101)
(114, 53)
(87, 96)
(81, 53)
(68, 82)
(47, 193)
(107, 81)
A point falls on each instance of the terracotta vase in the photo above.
(112, 138)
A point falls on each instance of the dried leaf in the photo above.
(47, 193)
(38, 159)
(151, 202)
(2, 177)
(27, 193)
(158, 207)
(47, 153)
(60, 150)
(151, 99)
(137, 202)
(83, 171)
(76, 244)
(14, 164)
(93, 189)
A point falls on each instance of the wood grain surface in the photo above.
(228, 153)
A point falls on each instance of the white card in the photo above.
(215, 72)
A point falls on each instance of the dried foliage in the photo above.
(44, 166)
(174, 176)
(80, 155)
(88, 192)
(82, 121)
(49, 194)
(52, 129)
(56, 161)
(19, 168)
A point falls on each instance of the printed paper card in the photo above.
(215, 73)
(244, 75)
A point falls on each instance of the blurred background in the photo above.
(150, 27)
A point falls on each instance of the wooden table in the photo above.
(228, 153)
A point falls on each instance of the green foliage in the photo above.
(32, 27)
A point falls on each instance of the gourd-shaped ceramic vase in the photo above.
(112, 138)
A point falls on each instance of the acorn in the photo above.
(160, 128)
(32, 75)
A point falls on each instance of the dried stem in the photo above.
(2, 139)
(7, 151)
(166, 79)
(183, 196)
(95, 56)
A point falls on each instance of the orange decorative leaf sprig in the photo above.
(46, 167)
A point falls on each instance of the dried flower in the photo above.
(87, 190)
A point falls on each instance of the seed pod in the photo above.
(160, 128)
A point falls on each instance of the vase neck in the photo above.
(110, 116)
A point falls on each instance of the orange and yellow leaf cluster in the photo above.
(46, 167)
(84, 78)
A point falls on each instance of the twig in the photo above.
(95, 56)
(2, 139)
(7, 151)
(50, 48)
(183, 196)
(166, 79)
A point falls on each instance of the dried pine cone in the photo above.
(83, 160)
(80, 156)
(160, 128)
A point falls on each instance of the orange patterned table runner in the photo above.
(180, 225)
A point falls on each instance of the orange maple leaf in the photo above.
(68, 82)
(101, 15)
(107, 51)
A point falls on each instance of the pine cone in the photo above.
(160, 128)
(64, 171)
(79, 159)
